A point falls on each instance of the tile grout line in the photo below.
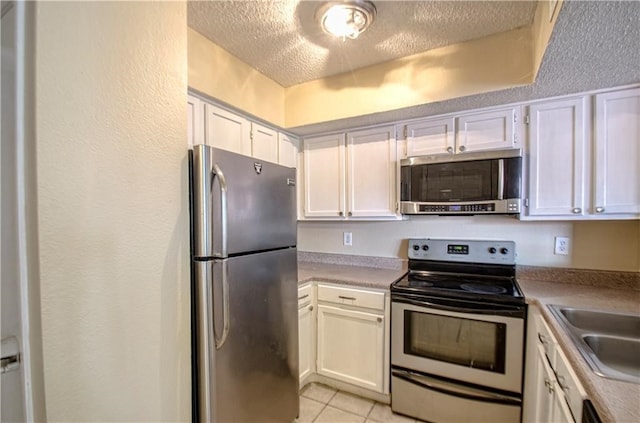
(325, 406)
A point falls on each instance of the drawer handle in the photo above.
(303, 297)
(346, 298)
(310, 308)
(542, 338)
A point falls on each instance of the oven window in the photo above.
(470, 343)
(461, 181)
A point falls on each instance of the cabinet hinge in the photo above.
(515, 118)
(251, 135)
(405, 132)
(526, 202)
(526, 120)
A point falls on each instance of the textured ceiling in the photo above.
(283, 41)
(594, 45)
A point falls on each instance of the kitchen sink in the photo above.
(627, 325)
(609, 342)
(620, 354)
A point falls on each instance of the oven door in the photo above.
(482, 349)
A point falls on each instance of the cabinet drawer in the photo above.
(547, 340)
(305, 293)
(350, 296)
(568, 382)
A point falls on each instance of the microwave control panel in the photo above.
(468, 251)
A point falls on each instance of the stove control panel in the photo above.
(467, 251)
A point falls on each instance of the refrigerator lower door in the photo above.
(247, 338)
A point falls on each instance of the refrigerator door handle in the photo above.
(225, 310)
(223, 208)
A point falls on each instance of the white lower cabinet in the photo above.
(350, 346)
(344, 336)
(552, 391)
(306, 332)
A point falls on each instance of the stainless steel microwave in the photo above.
(464, 184)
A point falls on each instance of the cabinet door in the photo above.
(545, 389)
(371, 172)
(487, 130)
(351, 346)
(324, 176)
(557, 140)
(264, 143)
(195, 125)
(287, 150)
(306, 341)
(617, 153)
(431, 136)
(227, 130)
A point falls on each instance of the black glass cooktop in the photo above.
(500, 288)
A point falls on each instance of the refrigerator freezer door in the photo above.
(252, 374)
(240, 204)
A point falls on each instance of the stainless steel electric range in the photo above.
(457, 333)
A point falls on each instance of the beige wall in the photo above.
(612, 245)
(489, 64)
(216, 73)
(113, 210)
(543, 23)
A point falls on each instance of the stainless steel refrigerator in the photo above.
(244, 288)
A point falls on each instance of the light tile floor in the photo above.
(322, 404)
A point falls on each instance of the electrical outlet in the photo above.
(562, 245)
(347, 238)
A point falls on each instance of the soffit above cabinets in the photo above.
(282, 40)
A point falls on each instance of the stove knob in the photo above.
(416, 247)
(504, 250)
(425, 247)
(492, 250)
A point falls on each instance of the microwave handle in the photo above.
(501, 179)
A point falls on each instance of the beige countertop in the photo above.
(364, 276)
(615, 401)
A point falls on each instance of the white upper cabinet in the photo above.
(324, 176)
(195, 128)
(264, 143)
(430, 136)
(556, 160)
(617, 153)
(463, 133)
(352, 177)
(371, 173)
(287, 150)
(574, 173)
(227, 130)
(487, 130)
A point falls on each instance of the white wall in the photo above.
(113, 210)
(612, 245)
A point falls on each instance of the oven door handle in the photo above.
(515, 311)
(455, 389)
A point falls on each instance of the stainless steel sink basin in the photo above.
(602, 322)
(619, 354)
(609, 342)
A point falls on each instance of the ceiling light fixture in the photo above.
(346, 19)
